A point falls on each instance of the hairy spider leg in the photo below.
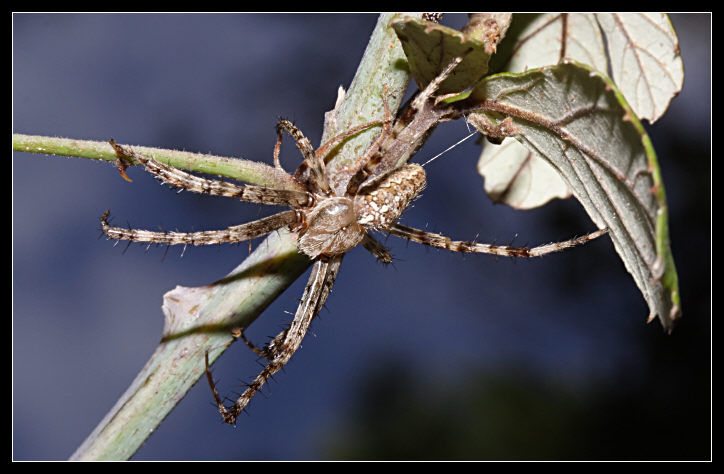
(377, 250)
(440, 241)
(324, 272)
(362, 161)
(249, 193)
(233, 234)
(374, 159)
(317, 181)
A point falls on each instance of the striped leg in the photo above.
(237, 233)
(181, 179)
(288, 341)
(376, 249)
(335, 140)
(386, 125)
(317, 176)
(440, 241)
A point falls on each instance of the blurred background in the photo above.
(438, 356)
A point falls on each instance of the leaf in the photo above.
(646, 66)
(519, 178)
(643, 52)
(576, 119)
(644, 59)
(551, 37)
(545, 40)
(430, 47)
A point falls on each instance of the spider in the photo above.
(329, 221)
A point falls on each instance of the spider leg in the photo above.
(376, 249)
(268, 350)
(322, 151)
(317, 177)
(334, 141)
(277, 148)
(283, 347)
(264, 352)
(176, 177)
(361, 168)
(385, 156)
(440, 241)
(386, 123)
(238, 233)
(433, 85)
(210, 378)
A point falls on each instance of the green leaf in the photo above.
(643, 58)
(430, 47)
(577, 120)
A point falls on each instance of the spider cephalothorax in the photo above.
(375, 193)
(337, 224)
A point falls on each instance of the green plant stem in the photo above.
(251, 172)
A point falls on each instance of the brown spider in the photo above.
(328, 223)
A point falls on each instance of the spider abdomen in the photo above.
(381, 202)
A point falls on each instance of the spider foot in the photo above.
(228, 416)
(267, 352)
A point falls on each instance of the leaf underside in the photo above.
(518, 177)
(577, 120)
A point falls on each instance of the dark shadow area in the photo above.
(518, 415)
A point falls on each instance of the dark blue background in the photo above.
(439, 355)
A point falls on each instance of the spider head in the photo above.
(331, 229)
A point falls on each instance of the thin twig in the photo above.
(246, 171)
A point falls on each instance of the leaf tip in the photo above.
(669, 321)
